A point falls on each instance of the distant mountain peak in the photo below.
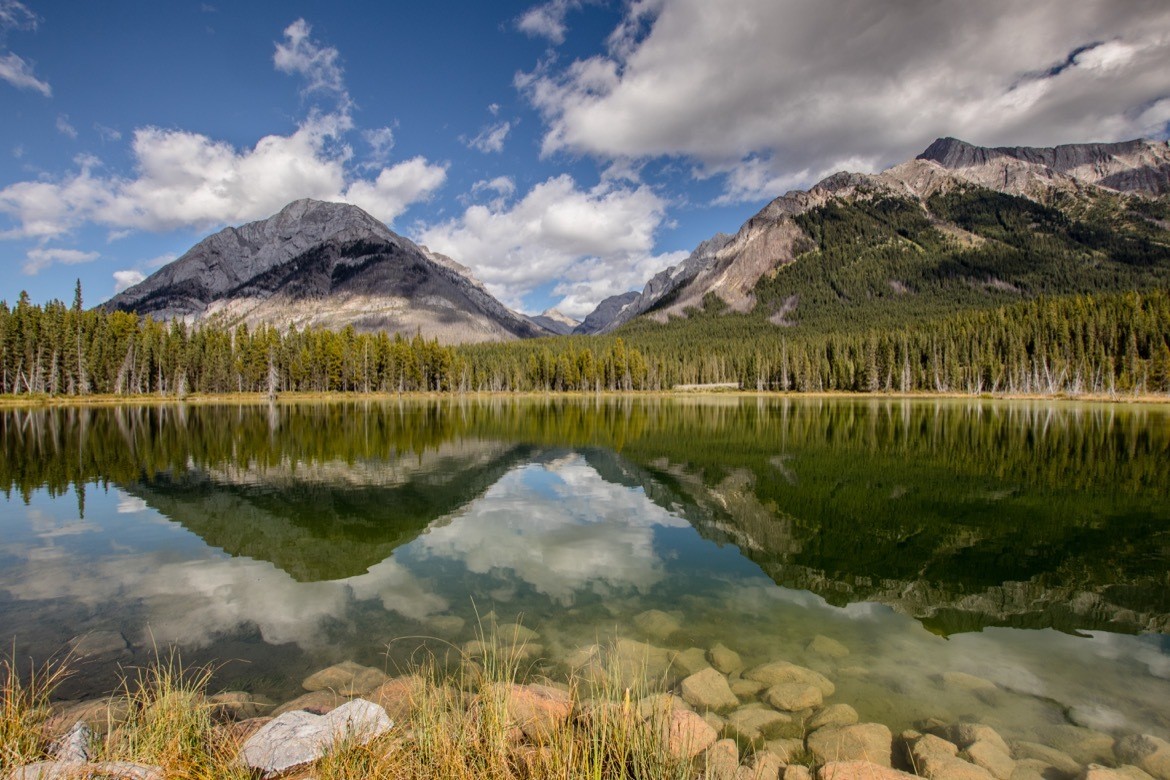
(324, 264)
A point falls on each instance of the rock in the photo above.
(685, 734)
(242, 729)
(991, 757)
(797, 772)
(96, 644)
(783, 672)
(107, 770)
(788, 749)
(346, 678)
(1060, 761)
(1083, 745)
(583, 657)
(967, 734)
(450, 625)
(717, 722)
(74, 747)
(1031, 769)
(869, 742)
(833, 715)
(317, 702)
(398, 696)
(514, 634)
(793, 696)
(708, 690)
(238, 705)
(100, 715)
(691, 661)
(720, 761)
(724, 659)
(657, 624)
(985, 690)
(538, 710)
(859, 770)
(761, 766)
(830, 648)
(297, 738)
(634, 663)
(660, 705)
(937, 758)
(1146, 752)
(1123, 772)
(745, 689)
(755, 723)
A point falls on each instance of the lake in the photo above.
(1007, 562)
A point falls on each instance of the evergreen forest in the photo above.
(972, 291)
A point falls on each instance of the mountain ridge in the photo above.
(321, 264)
(771, 239)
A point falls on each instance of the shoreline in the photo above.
(482, 713)
(25, 401)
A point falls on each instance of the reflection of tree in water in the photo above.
(965, 513)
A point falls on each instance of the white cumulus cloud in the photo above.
(40, 258)
(547, 20)
(124, 280)
(183, 179)
(785, 88)
(600, 239)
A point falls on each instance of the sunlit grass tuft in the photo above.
(24, 708)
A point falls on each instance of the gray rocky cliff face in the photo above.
(605, 313)
(1136, 166)
(618, 310)
(324, 265)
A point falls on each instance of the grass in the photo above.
(24, 707)
(465, 723)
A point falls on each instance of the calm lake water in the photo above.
(1027, 544)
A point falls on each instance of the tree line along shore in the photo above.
(1107, 345)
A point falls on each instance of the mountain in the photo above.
(606, 312)
(555, 322)
(620, 309)
(958, 208)
(324, 265)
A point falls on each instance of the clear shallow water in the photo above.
(1027, 544)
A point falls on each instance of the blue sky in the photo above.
(563, 150)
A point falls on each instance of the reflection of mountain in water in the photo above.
(327, 521)
(964, 514)
(1075, 580)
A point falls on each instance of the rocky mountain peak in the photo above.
(323, 264)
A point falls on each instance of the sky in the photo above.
(564, 151)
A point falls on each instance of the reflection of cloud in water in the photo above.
(191, 602)
(558, 527)
(128, 504)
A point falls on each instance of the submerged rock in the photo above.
(100, 715)
(991, 757)
(830, 648)
(1058, 760)
(685, 734)
(871, 742)
(347, 678)
(97, 644)
(1148, 753)
(708, 690)
(779, 672)
(761, 766)
(938, 759)
(793, 696)
(657, 624)
(720, 761)
(833, 715)
(691, 661)
(859, 770)
(725, 659)
(1083, 745)
(398, 696)
(1123, 772)
(756, 722)
(537, 710)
